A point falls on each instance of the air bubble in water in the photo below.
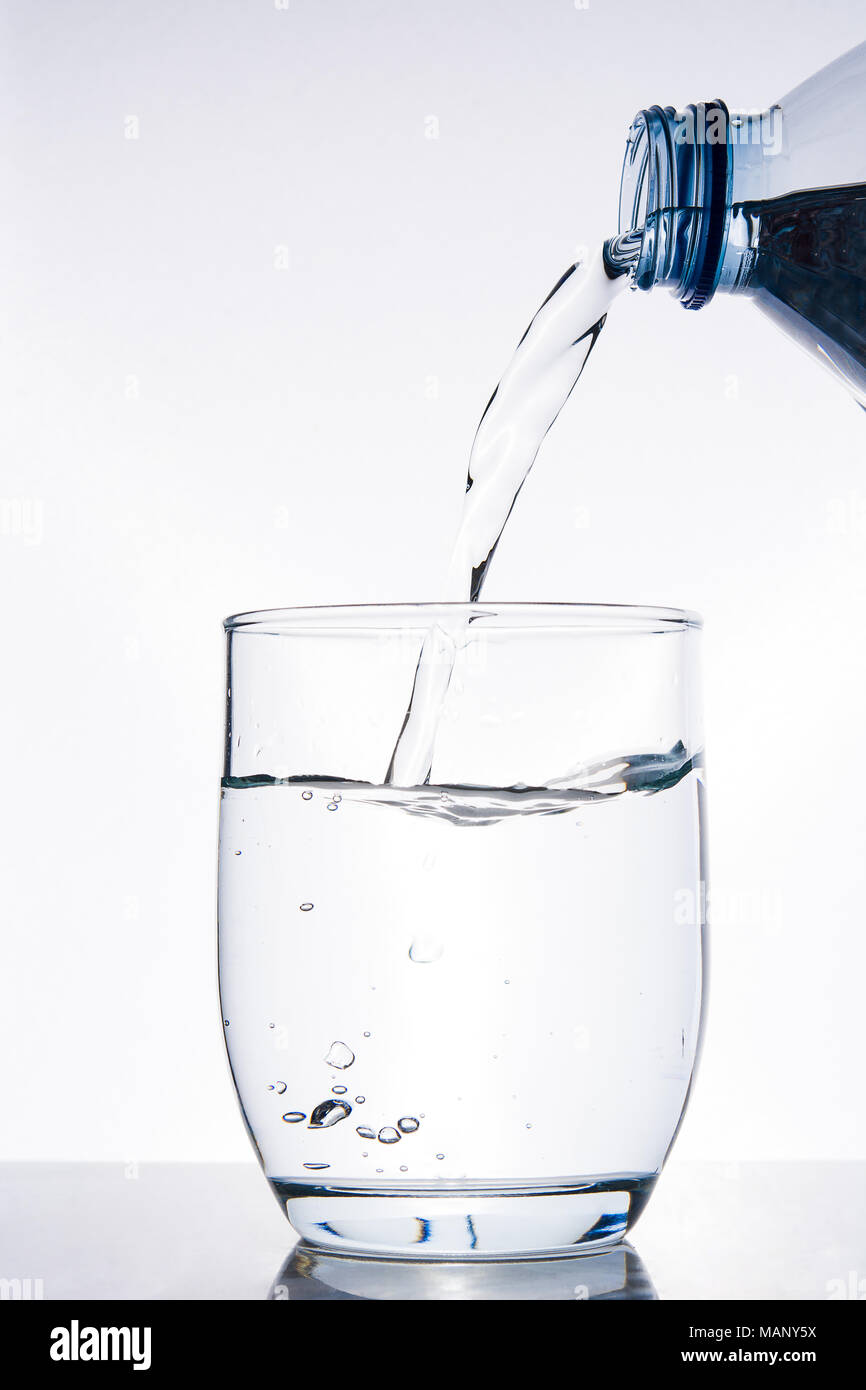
(440, 1156)
(425, 950)
(408, 1124)
(237, 852)
(403, 1168)
(339, 1055)
(332, 805)
(388, 1135)
(279, 1087)
(367, 1035)
(294, 1117)
(307, 796)
(339, 1090)
(316, 1167)
(359, 1100)
(366, 1132)
(330, 1112)
(306, 907)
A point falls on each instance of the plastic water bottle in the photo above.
(769, 204)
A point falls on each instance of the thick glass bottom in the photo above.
(466, 1220)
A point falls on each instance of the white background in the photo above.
(245, 353)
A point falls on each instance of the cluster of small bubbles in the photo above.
(408, 1124)
(329, 1112)
(306, 907)
(339, 1055)
(389, 1135)
(339, 1090)
(294, 1117)
(366, 1132)
(359, 1100)
(316, 1167)
(306, 796)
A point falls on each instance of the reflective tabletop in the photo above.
(180, 1231)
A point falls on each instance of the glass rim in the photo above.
(526, 616)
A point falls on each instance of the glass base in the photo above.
(466, 1221)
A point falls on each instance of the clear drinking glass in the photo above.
(463, 1017)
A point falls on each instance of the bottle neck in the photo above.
(682, 173)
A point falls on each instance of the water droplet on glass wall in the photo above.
(339, 1055)
(365, 1132)
(330, 1112)
(408, 1124)
(294, 1117)
(425, 950)
(388, 1135)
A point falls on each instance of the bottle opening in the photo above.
(675, 198)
